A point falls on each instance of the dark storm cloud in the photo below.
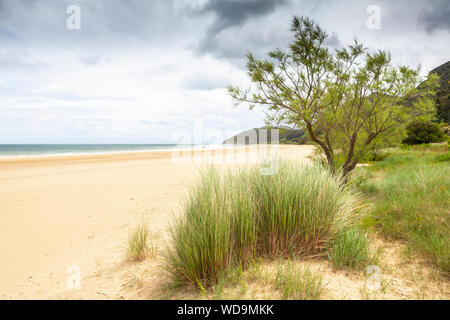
(226, 29)
(436, 16)
(231, 14)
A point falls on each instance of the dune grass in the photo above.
(138, 246)
(217, 225)
(299, 283)
(235, 215)
(412, 200)
(351, 250)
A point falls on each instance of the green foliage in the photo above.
(252, 136)
(423, 132)
(443, 157)
(299, 283)
(348, 101)
(351, 250)
(446, 130)
(300, 209)
(374, 155)
(412, 201)
(234, 216)
(217, 223)
(443, 94)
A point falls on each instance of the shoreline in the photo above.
(96, 157)
(88, 153)
(171, 149)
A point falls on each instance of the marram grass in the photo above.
(299, 283)
(138, 242)
(351, 250)
(235, 215)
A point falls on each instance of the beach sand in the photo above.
(68, 215)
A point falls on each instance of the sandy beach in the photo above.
(66, 213)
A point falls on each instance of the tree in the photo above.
(347, 101)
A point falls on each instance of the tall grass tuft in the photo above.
(217, 229)
(299, 283)
(301, 209)
(351, 250)
(138, 243)
(235, 215)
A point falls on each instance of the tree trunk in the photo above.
(325, 149)
(346, 169)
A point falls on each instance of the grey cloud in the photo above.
(230, 15)
(19, 59)
(436, 16)
(91, 59)
(161, 68)
(333, 40)
(103, 23)
(199, 81)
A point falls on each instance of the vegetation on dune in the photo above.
(301, 209)
(138, 246)
(299, 283)
(412, 199)
(235, 216)
(352, 103)
(351, 250)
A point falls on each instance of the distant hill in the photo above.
(443, 100)
(286, 136)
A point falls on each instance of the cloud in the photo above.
(435, 16)
(199, 81)
(232, 14)
(333, 40)
(19, 59)
(91, 58)
(138, 69)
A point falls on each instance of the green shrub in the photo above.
(374, 155)
(299, 283)
(446, 130)
(351, 250)
(233, 216)
(423, 132)
(443, 157)
(360, 179)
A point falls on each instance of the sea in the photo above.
(39, 150)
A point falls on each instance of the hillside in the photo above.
(286, 136)
(443, 101)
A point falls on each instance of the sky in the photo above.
(156, 71)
